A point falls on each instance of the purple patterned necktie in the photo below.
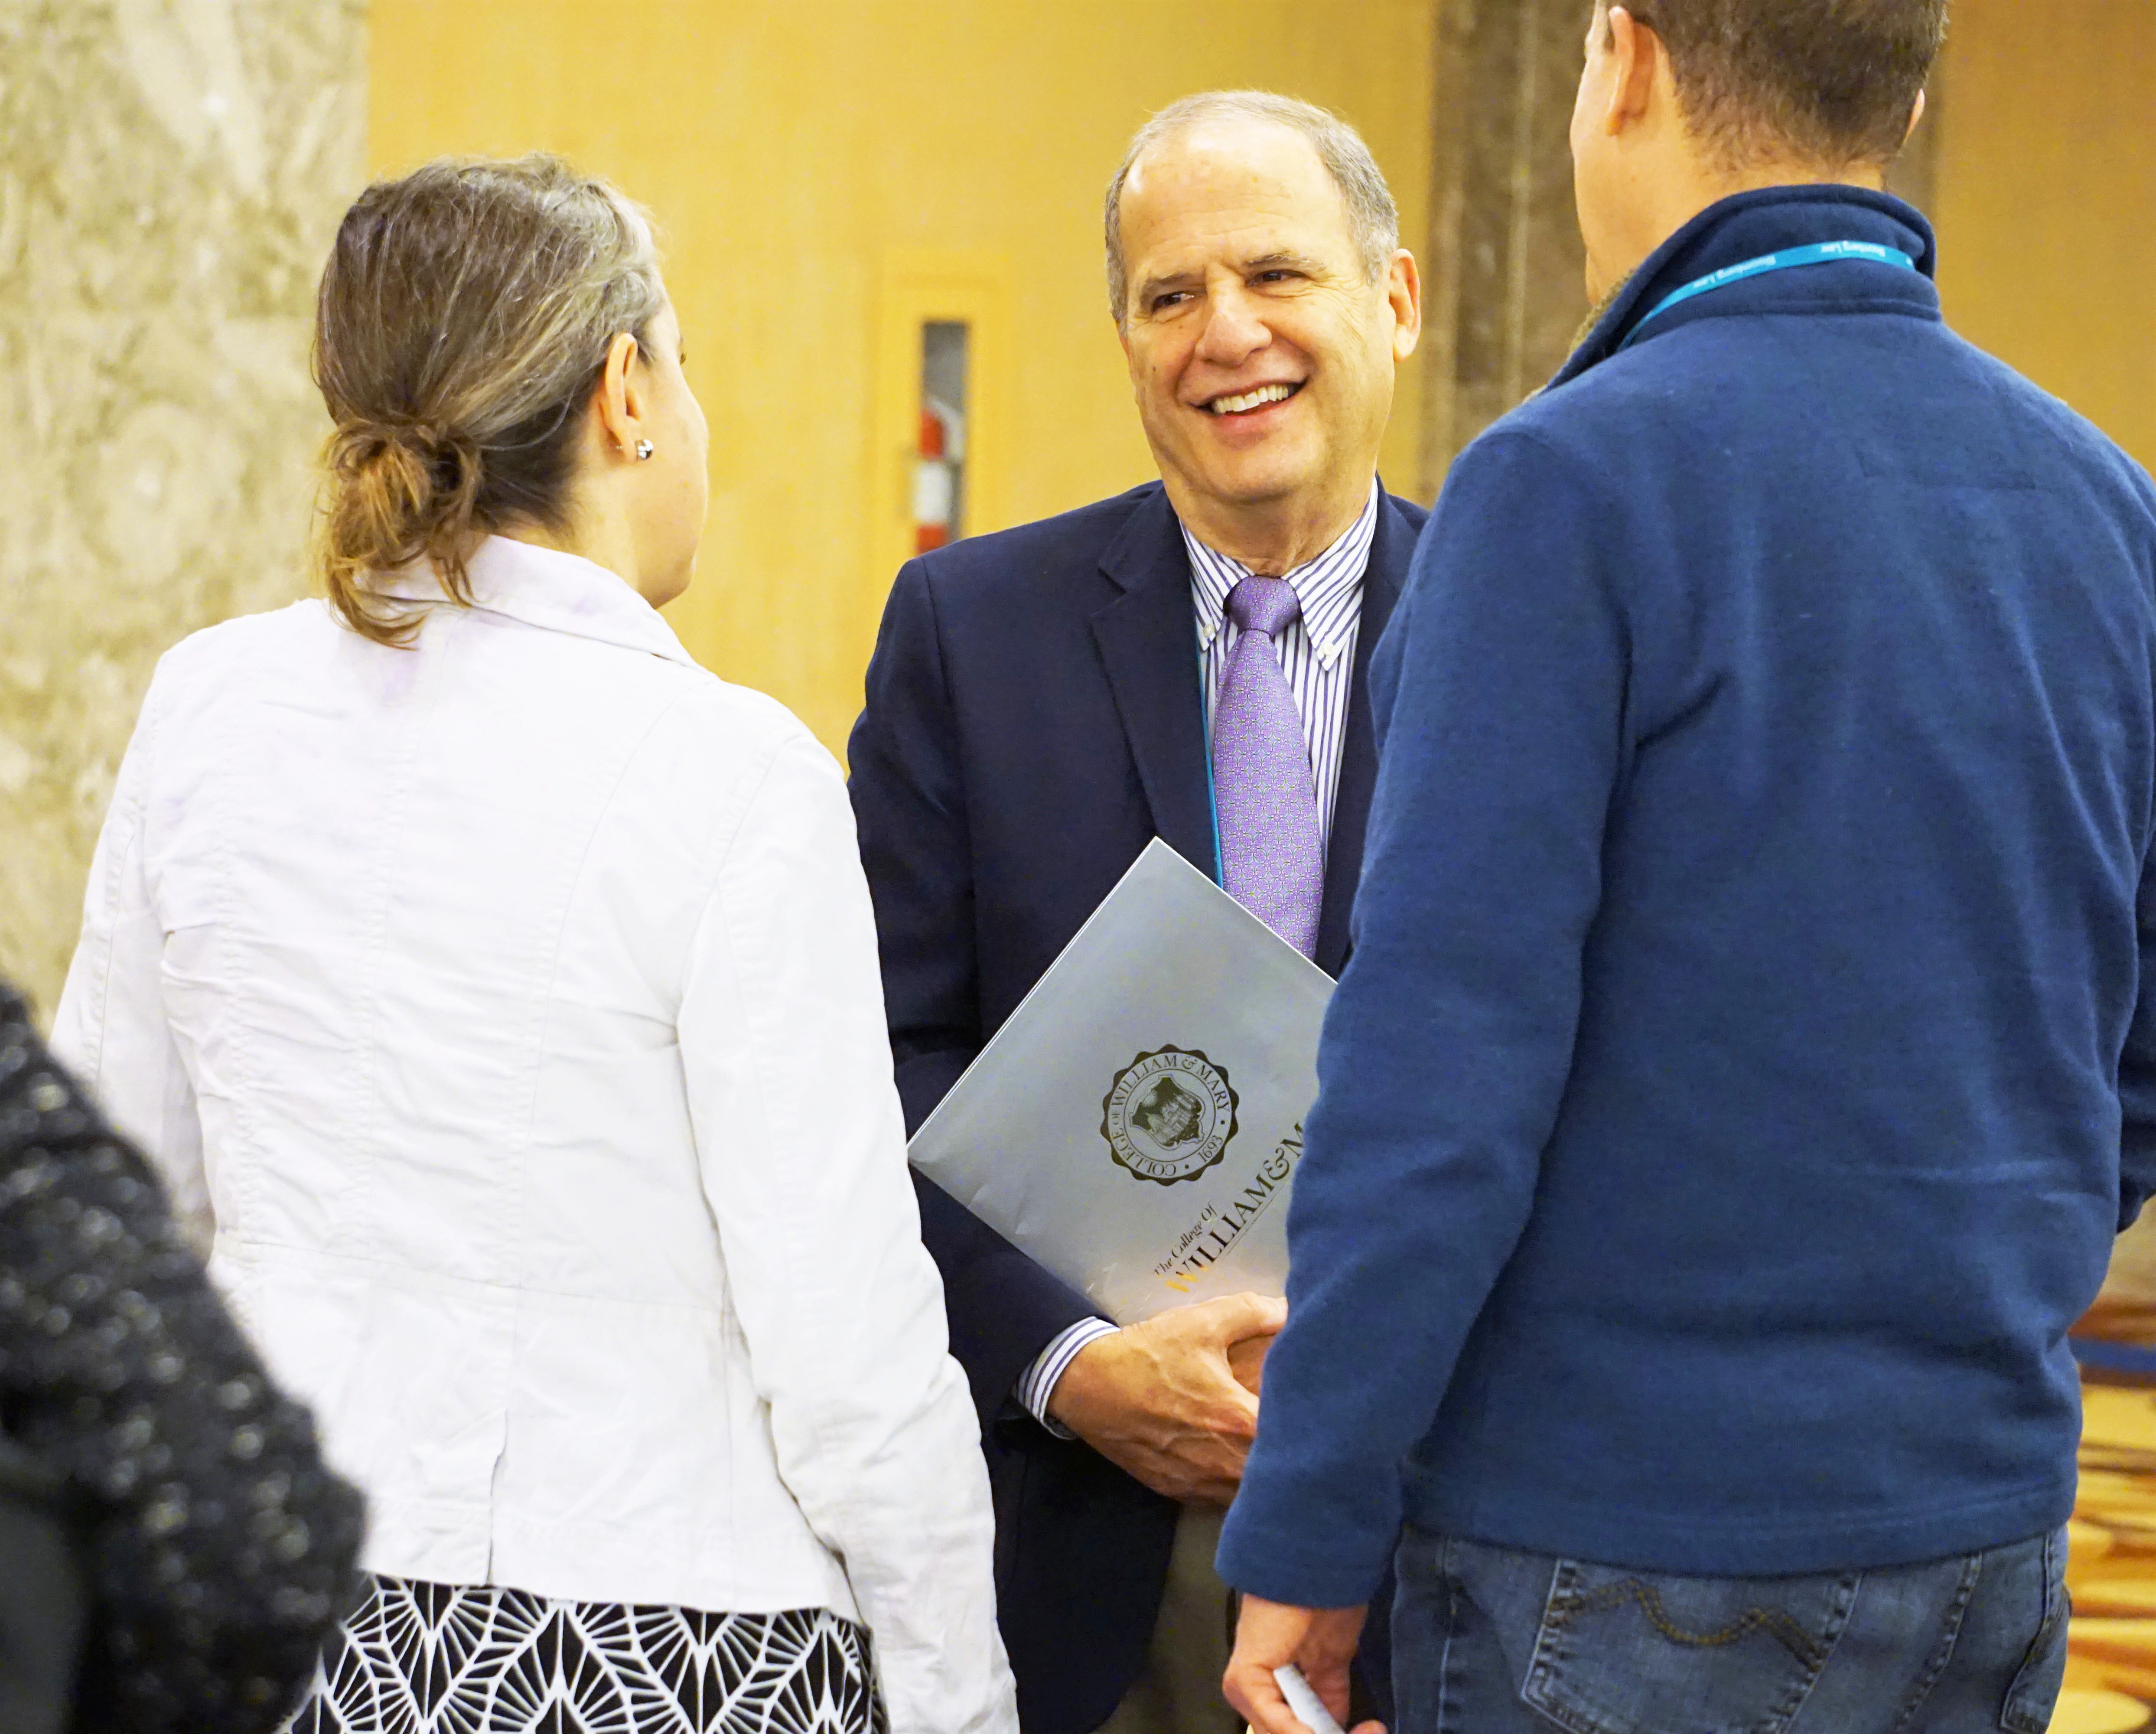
(1272, 855)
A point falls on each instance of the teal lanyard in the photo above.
(1212, 785)
(1826, 252)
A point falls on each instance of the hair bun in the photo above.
(455, 459)
(365, 444)
(411, 484)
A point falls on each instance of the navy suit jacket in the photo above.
(1035, 718)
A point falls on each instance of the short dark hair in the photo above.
(1832, 80)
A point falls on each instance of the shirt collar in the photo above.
(1748, 225)
(547, 588)
(1330, 587)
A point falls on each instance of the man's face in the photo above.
(1261, 353)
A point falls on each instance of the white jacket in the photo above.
(510, 1004)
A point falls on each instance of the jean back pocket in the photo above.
(2035, 1693)
(1623, 1652)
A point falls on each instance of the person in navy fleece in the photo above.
(1744, 1062)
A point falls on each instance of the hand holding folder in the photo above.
(1136, 1125)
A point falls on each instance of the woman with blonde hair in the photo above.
(501, 988)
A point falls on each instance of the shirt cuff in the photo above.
(1037, 1383)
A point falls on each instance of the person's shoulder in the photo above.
(1413, 516)
(245, 636)
(215, 659)
(2043, 424)
(1621, 397)
(1048, 549)
(708, 735)
(738, 720)
(1538, 442)
(717, 752)
(1085, 530)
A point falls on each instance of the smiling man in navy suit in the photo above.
(1046, 701)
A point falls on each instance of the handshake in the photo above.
(1174, 1401)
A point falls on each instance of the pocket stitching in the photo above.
(2014, 1714)
(1549, 1654)
(1775, 1621)
(1567, 1600)
(1920, 1694)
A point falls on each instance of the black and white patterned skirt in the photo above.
(430, 1659)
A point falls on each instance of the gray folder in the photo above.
(1136, 1126)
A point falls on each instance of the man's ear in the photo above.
(1637, 53)
(1403, 290)
(1916, 117)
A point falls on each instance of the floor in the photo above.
(2110, 1672)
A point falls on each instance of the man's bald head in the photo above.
(1373, 220)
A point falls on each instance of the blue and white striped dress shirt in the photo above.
(1318, 652)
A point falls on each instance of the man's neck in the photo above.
(1273, 537)
(1682, 191)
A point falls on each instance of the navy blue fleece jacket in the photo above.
(1745, 1059)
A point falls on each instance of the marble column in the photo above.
(1503, 263)
(170, 171)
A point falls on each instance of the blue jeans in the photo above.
(1487, 1640)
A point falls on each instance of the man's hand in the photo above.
(1161, 1400)
(1320, 1641)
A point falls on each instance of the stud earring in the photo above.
(645, 448)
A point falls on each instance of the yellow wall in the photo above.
(2047, 201)
(801, 155)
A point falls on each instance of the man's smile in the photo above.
(1254, 398)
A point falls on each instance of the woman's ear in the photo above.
(621, 397)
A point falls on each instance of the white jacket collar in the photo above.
(545, 588)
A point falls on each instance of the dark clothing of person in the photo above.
(1749, 1048)
(219, 1550)
(45, 1600)
(422, 1658)
(1492, 1640)
(1034, 718)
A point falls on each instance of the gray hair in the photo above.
(1374, 221)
